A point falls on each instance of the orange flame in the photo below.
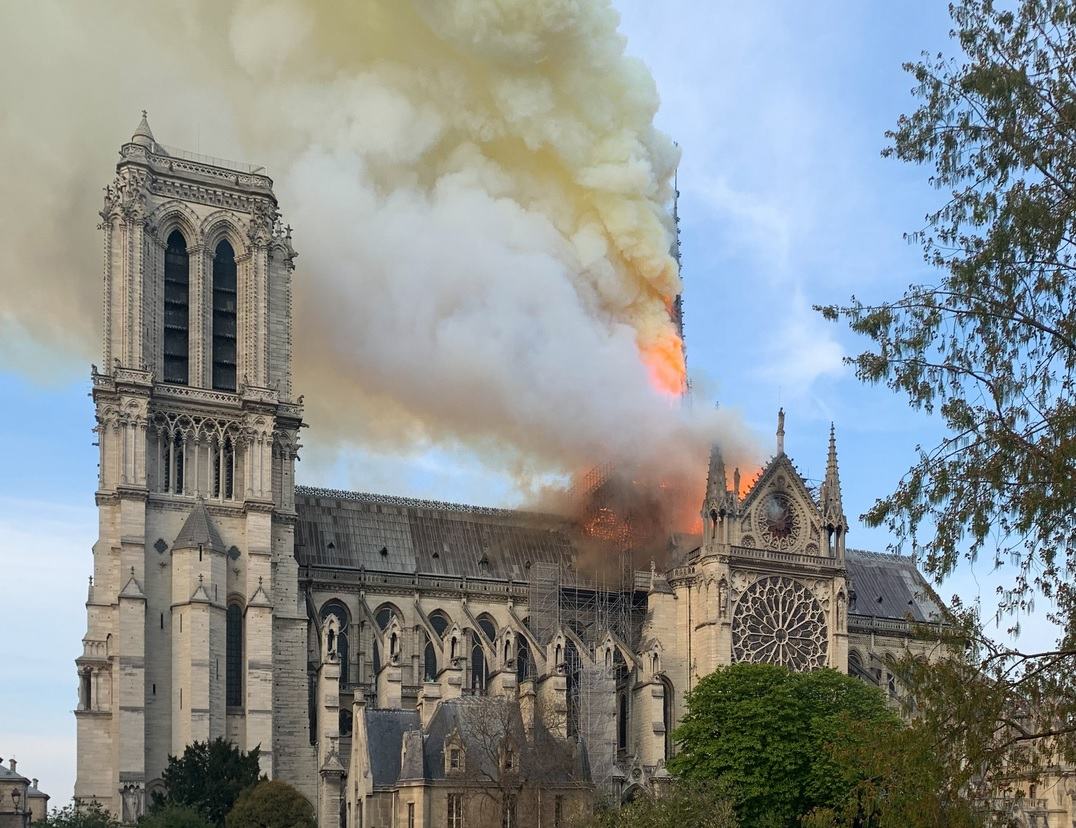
(664, 361)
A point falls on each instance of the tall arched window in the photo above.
(233, 674)
(523, 658)
(488, 625)
(439, 622)
(176, 310)
(622, 722)
(478, 670)
(344, 653)
(224, 317)
(429, 662)
(343, 639)
(572, 666)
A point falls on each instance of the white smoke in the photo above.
(479, 196)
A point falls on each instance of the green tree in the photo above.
(771, 738)
(273, 804)
(88, 816)
(990, 345)
(173, 816)
(685, 805)
(208, 777)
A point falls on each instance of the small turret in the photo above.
(833, 517)
(719, 501)
(143, 135)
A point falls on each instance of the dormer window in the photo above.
(455, 759)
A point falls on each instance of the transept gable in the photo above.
(780, 512)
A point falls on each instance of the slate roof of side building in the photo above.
(399, 750)
(381, 533)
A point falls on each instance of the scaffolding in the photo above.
(599, 594)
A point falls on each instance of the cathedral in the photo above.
(399, 661)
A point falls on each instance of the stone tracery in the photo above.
(779, 621)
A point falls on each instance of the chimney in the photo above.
(11, 764)
(429, 698)
(33, 783)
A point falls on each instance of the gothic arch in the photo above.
(175, 215)
(382, 621)
(219, 226)
(440, 622)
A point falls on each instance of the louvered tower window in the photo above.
(224, 317)
(176, 310)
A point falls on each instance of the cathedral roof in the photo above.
(379, 533)
(199, 529)
(890, 586)
(397, 534)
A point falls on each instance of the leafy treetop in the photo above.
(766, 736)
(272, 804)
(208, 777)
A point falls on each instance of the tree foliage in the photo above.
(173, 816)
(991, 346)
(272, 804)
(88, 816)
(684, 805)
(770, 738)
(208, 777)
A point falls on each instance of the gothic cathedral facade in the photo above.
(347, 635)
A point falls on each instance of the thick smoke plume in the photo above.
(480, 202)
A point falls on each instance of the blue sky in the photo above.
(780, 111)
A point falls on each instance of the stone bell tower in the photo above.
(192, 609)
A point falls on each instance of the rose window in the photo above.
(779, 621)
(778, 521)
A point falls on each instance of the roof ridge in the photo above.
(887, 555)
(421, 503)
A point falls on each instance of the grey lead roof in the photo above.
(387, 534)
(378, 533)
(889, 586)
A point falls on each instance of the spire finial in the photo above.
(780, 431)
